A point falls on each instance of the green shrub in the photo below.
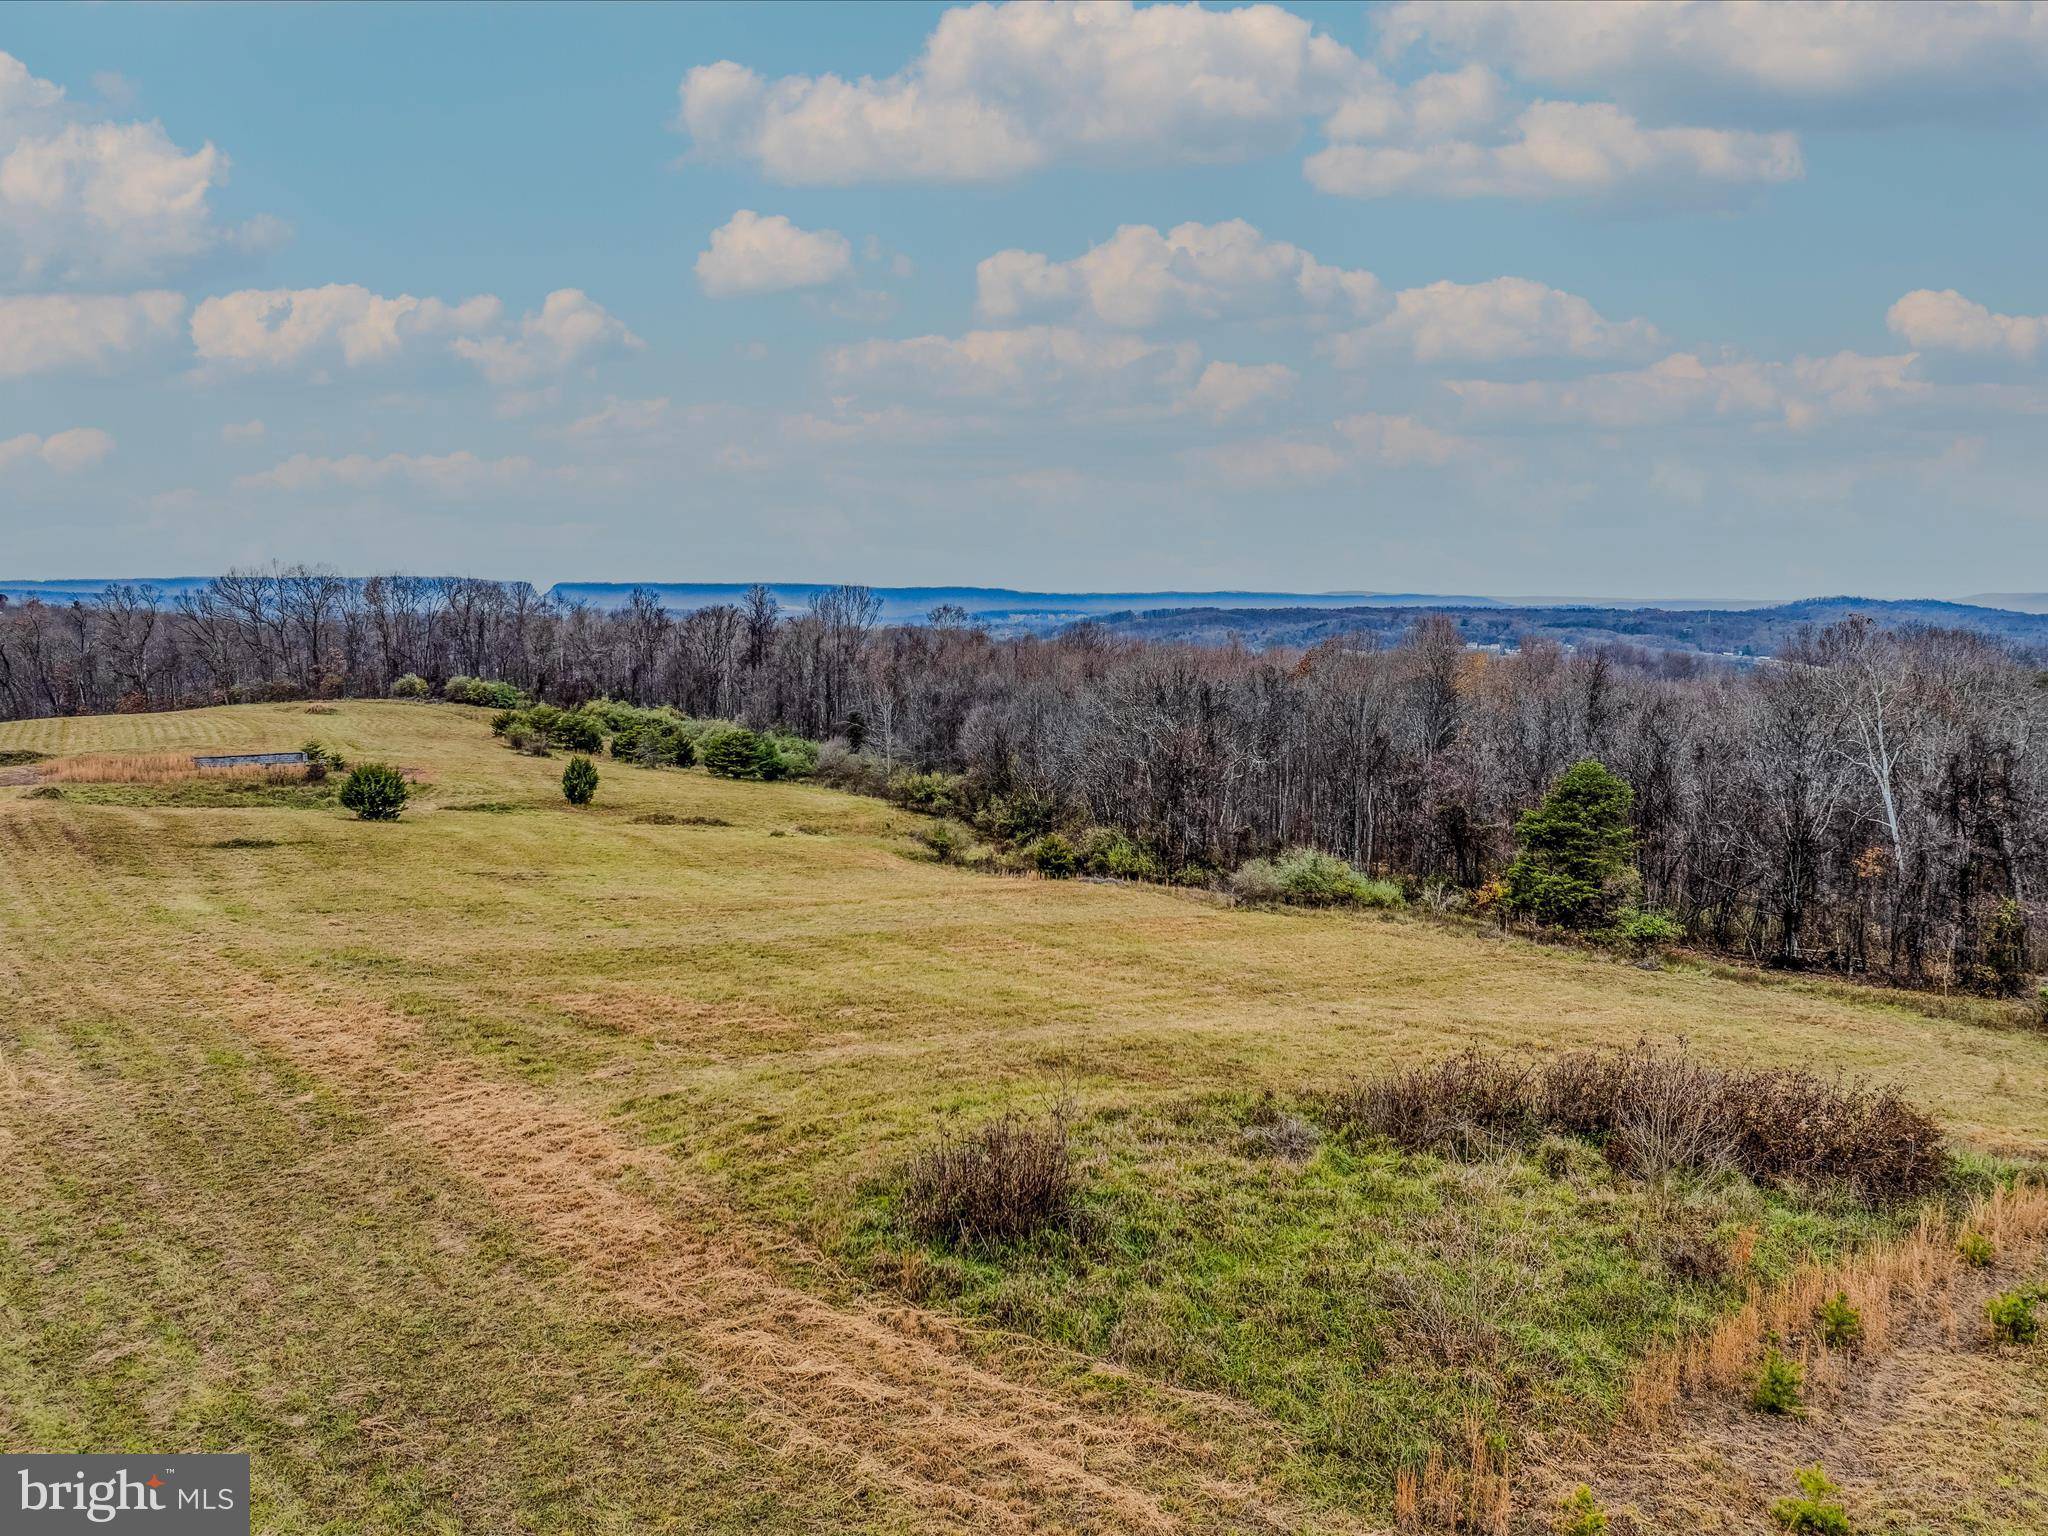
(2012, 1316)
(934, 794)
(579, 781)
(1581, 1514)
(734, 752)
(1303, 877)
(1839, 1324)
(411, 686)
(474, 690)
(1106, 851)
(375, 792)
(1779, 1382)
(1976, 1250)
(1312, 879)
(578, 732)
(531, 729)
(1644, 929)
(1054, 857)
(654, 743)
(1575, 848)
(614, 716)
(1022, 816)
(1384, 894)
(946, 840)
(1817, 1511)
(795, 757)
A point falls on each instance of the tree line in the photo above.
(1872, 801)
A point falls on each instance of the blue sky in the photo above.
(1605, 301)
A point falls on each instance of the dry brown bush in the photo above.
(1011, 1178)
(1657, 1111)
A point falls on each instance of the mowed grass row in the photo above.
(203, 1247)
(758, 979)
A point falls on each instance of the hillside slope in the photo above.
(511, 1166)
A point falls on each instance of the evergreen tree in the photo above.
(375, 792)
(579, 781)
(1575, 848)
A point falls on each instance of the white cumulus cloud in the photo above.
(1140, 277)
(1793, 51)
(348, 324)
(41, 333)
(1507, 317)
(1947, 321)
(1559, 149)
(66, 452)
(1224, 389)
(755, 253)
(279, 327)
(1001, 89)
(569, 328)
(83, 199)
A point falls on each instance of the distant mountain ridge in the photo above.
(902, 604)
(1739, 634)
(1728, 629)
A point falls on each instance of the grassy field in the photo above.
(521, 1168)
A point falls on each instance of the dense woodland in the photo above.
(1872, 801)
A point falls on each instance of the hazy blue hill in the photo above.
(1001, 603)
(67, 590)
(1739, 633)
(1302, 618)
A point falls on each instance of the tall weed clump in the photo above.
(1010, 1179)
(1656, 1111)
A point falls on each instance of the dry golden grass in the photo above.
(610, 1075)
(1890, 1286)
(1926, 1427)
(157, 768)
(1471, 1493)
